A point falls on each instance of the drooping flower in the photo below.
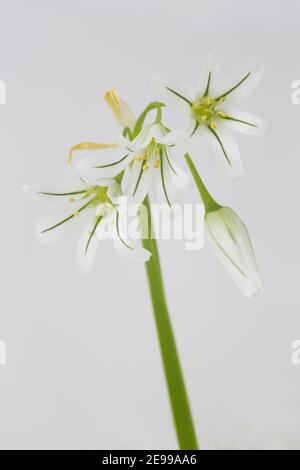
(229, 238)
(231, 243)
(105, 206)
(210, 108)
(148, 165)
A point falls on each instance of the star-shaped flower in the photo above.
(210, 108)
(147, 164)
(107, 210)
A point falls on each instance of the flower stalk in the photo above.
(209, 203)
(181, 410)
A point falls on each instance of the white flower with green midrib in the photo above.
(104, 203)
(210, 109)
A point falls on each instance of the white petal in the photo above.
(143, 139)
(225, 150)
(87, 246)
(135, 253)
(231, 242)
(165, 191)
(130, 249)
(209, 77)
(158, 132)
(181, 179)
(103, 167)
(242, 81)
(61, 194)
(245, 123)
(176, 138)
(174, 92)
(51, 228)
(136, 181)
(197, 132)
(114, 191)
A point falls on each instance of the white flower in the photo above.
(230, 240)
(104, 204)
(210, 108)
(147, 162)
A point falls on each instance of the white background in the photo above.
(83, 367)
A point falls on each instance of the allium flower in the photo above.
(141, 163)
(230, 240)
(105, 205)
(147, 162)
(210, 108)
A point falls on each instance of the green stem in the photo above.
(140, 121)
(209, 203)
(177, 392)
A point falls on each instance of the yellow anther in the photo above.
(209, 101)
(156, 164)
(145, 167)
(112, 98)
(221, 100)
(139, 158)
(223, 115)
(119, 107)
(71, 199)
(89, 146)
(213, 125)
(204, 118)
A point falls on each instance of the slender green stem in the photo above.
(177, 392)
(209, 203)
(140, 121)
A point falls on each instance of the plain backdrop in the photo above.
(83, 368)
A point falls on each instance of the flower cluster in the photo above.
(141, 163)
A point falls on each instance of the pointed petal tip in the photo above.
(255, 293)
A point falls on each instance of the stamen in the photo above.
(121, 110)
(89, 146)
(112, 98)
